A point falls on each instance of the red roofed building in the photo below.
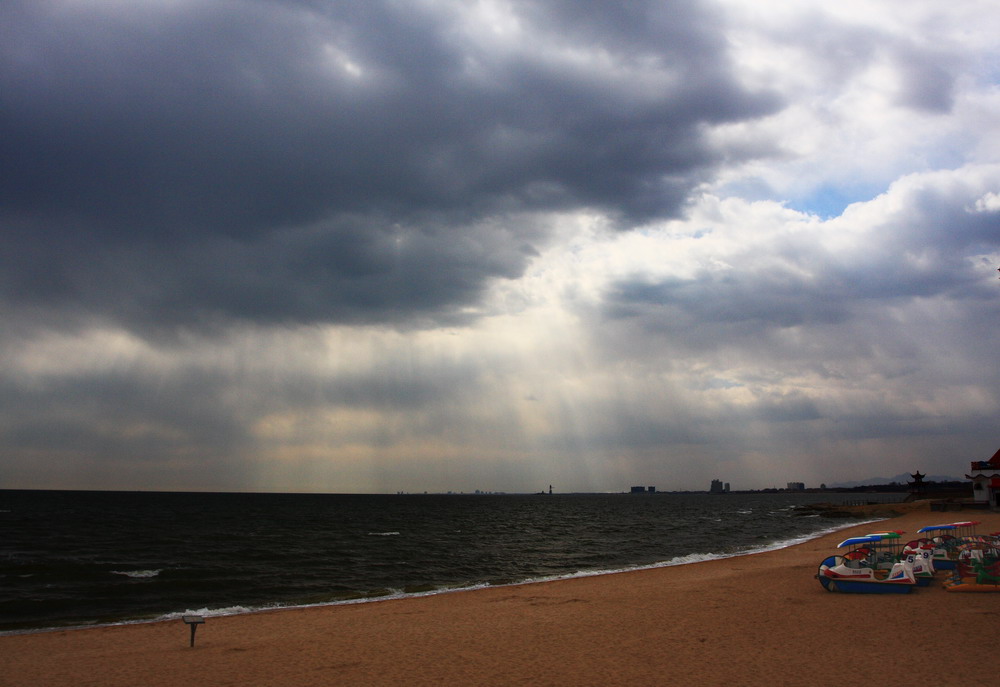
(985, 476)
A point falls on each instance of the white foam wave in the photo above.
(204, 612)
(212, 612)
(137, 574)
(383, 534)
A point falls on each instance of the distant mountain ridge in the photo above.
(902, 478)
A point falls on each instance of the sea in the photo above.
(84, 558)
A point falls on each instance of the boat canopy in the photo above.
(931, 528)
(854, 541)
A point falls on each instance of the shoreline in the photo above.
(759, 618)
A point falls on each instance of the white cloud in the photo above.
(873, 93)
(990, 202)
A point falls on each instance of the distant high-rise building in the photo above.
(717, 487)
(796, 486)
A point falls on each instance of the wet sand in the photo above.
(760, 619)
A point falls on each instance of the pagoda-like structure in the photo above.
(985, 476)
(917, 486)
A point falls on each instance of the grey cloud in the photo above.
(260, 161)
(120, 414)
(740, 301)
(927, 82)
(204, 395)
(835, 52)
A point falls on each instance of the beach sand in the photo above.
(760, 619)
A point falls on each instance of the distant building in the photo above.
(637, 490)
(651, 490)
(796, 486)
(985, 476)
(718, 487)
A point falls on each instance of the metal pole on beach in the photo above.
(193, 621)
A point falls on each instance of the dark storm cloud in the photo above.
(118, 414)
(342, 162)
(351, 270)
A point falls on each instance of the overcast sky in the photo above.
(367, 246)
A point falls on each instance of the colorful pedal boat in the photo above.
(836, 576)
(969, 584)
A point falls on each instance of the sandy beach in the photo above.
(760, 619)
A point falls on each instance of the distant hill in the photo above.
(903, 478)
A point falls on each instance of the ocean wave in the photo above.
(137, 574)
(383, 534)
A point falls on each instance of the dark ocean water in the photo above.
(81, 558)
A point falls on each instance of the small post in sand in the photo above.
(194, 621)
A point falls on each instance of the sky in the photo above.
(448, 245)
